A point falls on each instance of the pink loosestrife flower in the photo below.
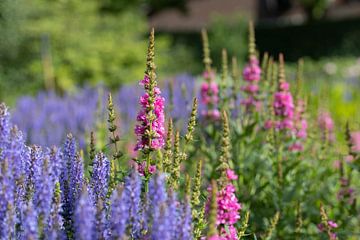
(326, 125)
(252, 75)
(150, 133)
(355, 141)
(284, 108)
(228, 206)
(228, 210)
(209, 93)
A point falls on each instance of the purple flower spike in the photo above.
(119, 213)
(186, 228)
(4, 126)
(133, 192)
(71, 180)
(85, 217)
(100, 177)
(30, 224)
(7, 214)
(44, 188)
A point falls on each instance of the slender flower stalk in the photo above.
(225, 155)
(167, 158)
(192, 122)
(177, 157)
(114, 139)
(327, 225)
(235, 87)
(212, 232)
(224, 96)
(271, 229)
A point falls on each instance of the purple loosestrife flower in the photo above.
(150, 129)
(252, 75)
(29, 225)
(132, 192)
(151, 119)
(283, 102)
(119, 214)
(84, 219)
(209, 91)
(100, 177)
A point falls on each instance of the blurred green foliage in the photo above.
(87, 45)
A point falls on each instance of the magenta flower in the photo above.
(228, 206)
(231, 174)
(284, 107)
(150, 129)
(209, 93)
(252, 71)
(252, 75)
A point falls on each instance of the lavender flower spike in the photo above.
(119, 213)
(85, 217)
(133, 192)
(30, 224)
(100, 177)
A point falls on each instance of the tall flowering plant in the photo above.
(209, 91)
(227, 205)
(252, 76)
(150, 130)
(300, 122)
(283, 101)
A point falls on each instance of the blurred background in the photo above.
(62, 46)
